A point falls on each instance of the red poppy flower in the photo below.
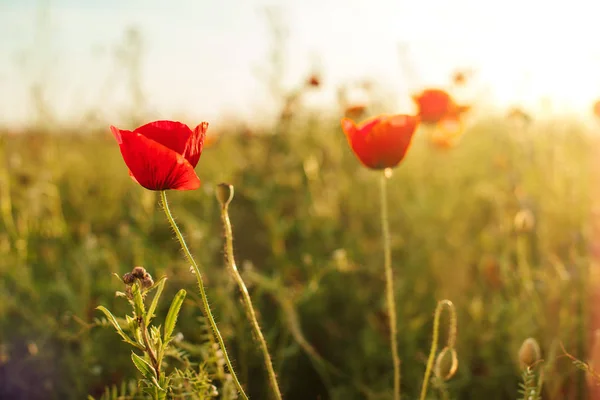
(162, 155)
(436, 104)
(381, 142)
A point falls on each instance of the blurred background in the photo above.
(494, 211)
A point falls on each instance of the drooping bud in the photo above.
(224, 194)
(446, 364)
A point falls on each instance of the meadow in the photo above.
(500, 225)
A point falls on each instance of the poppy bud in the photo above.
(524, 221)
(224, 194)
(529, 353)
(446, 364)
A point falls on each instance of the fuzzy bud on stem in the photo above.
(529, 353)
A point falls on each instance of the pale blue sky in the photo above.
(202, 55)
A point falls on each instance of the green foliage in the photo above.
(308, 244)
(528, 388)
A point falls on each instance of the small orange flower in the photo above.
(447, 133)
(211, 140)
(436, 104)
(313, 81)
(381, 142)
(459, 78)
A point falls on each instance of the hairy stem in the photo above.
(247, 301)
(389, 283)
(434, 342)
(211, 319)
(149, 348)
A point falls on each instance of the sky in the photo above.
(202, 59)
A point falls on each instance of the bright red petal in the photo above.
(384, 141)
(195, 143)
(153, 165)
(171, 134)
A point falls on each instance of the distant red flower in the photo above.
(313, 80)
(459, 78)
(162, 155)
(381, 142)
(436, 104)
(447, 133)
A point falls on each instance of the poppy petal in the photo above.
(381, 142)
(348, 126)
(195, 143)
(153, 165)
(171, 134)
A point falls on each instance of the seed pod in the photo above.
(128, 278)
(224, 194)
(147, 281)
(138, 272)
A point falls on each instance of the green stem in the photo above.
(389, 283)
(211, 319)
(149, 349)
(247, 301)
(434, 343)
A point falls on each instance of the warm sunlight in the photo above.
(531, 53)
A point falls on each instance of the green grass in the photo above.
(307, 238)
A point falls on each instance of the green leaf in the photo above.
(159, 288)
(120, 331)
(173, 313)
(143, 366)
(138, 301)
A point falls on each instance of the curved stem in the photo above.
(434, 343)
(247, 301)
(211, 319)
(389, 283)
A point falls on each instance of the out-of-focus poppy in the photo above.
(597, 108)
(447, 132)
(435, 104)
(314, 80)
(211, 140)
(355, 111)
(459, 78)
(381, 142)
(162, 155)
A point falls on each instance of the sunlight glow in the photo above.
(202, 57)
